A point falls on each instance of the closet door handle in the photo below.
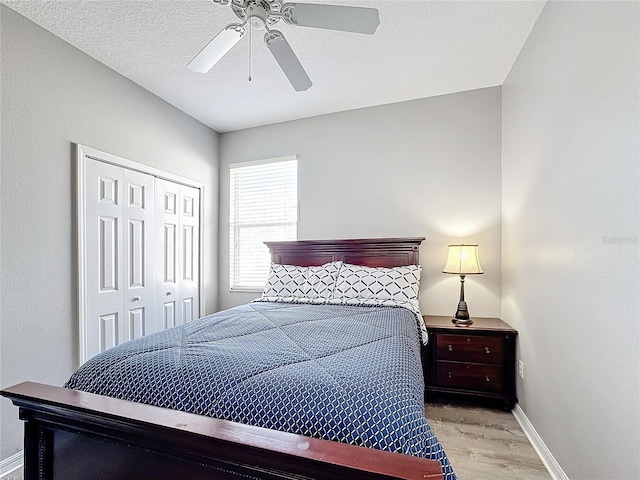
(136, 298)
(168, 294)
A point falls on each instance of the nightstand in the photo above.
(476, 362)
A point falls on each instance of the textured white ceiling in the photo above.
(421, 49)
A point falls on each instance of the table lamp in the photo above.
(462, 260)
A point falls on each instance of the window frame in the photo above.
(235, 226)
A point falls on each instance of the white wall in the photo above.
(427, 167)
(52, 96)
(571, 223)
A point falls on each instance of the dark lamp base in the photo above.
(461, 317)
(462, 322)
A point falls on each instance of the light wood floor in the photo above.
(15, 475)
(484, 444)
(481, 444)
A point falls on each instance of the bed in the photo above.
(86, 431)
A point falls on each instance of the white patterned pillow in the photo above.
(393, 287)
(294, 282)
(399, 284)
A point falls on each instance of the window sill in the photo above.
(246, 289)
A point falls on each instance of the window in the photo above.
(264, 206)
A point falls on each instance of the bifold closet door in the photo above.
(139, 254)
(178, 253)
(119, 246)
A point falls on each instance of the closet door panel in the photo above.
(139, 255)
(168, 258)
(190, 236)
(104, 251)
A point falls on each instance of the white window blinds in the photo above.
(264, 206)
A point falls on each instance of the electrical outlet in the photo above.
(521, 369)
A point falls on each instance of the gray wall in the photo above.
(571, 220)
(53, 95)
(557, 222)
(425, 167)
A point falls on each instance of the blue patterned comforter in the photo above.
(345, 373)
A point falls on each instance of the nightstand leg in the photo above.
(508, 405)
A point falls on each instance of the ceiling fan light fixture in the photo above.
(257, 16)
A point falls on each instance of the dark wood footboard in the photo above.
(77, 435)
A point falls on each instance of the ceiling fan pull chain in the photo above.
(250, 28)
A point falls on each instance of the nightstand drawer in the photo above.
(470, 348)
(470, 376)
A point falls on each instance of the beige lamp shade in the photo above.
(463, 260)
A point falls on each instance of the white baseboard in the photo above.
(11, 463)
(551, 464)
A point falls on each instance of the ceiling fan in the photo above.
(263, 14)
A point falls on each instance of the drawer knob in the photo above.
(450, 348)
(486, 377)
(449, 375)
(487, 350)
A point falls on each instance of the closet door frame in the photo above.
(82, 154)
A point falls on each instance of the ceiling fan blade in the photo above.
(332, 17)
(289, 63)
(217, 48)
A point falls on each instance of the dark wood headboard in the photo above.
(370, 252)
